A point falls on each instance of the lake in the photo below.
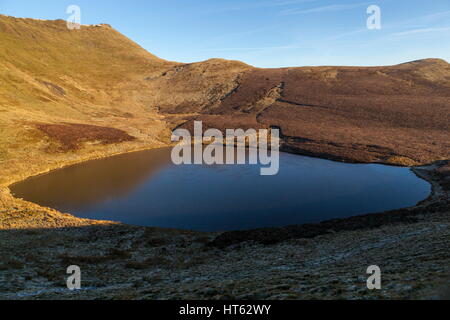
(145, 188)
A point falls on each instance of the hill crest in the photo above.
(100, 80)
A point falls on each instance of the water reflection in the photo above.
(145, 188)
(90, 183)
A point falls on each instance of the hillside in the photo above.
(69, 95)
(395, 114)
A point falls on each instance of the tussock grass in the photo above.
(11, 265)
(113, 255)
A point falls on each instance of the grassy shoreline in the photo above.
(10, 204)
(157, 263)
(5, 187)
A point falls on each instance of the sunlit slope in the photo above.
(97, 80)
(42, 64)
(69, 94)
(51, 76)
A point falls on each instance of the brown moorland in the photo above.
(97, 77)
(71, 135)
(67, 96)
(395, 114)
(71, 95)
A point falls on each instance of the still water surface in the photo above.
(145, 188)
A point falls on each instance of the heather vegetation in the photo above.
(67, 96)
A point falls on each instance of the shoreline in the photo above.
(12, 208)
(170, 264)
(8, 184)
(419, 171)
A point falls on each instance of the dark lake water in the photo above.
(145, 188)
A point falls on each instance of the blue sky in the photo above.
(266, 33)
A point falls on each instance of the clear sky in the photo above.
(266, 33)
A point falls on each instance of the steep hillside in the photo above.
(395, 114)
(69, 95)
(50, 64)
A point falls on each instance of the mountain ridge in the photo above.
(97, 78)
(67, 97)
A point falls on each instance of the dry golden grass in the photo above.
(91, 77)
(74, 82)
(95, 85)
(94, 76)
(92, 90)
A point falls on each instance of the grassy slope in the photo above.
(95, 76)
(51, 75)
